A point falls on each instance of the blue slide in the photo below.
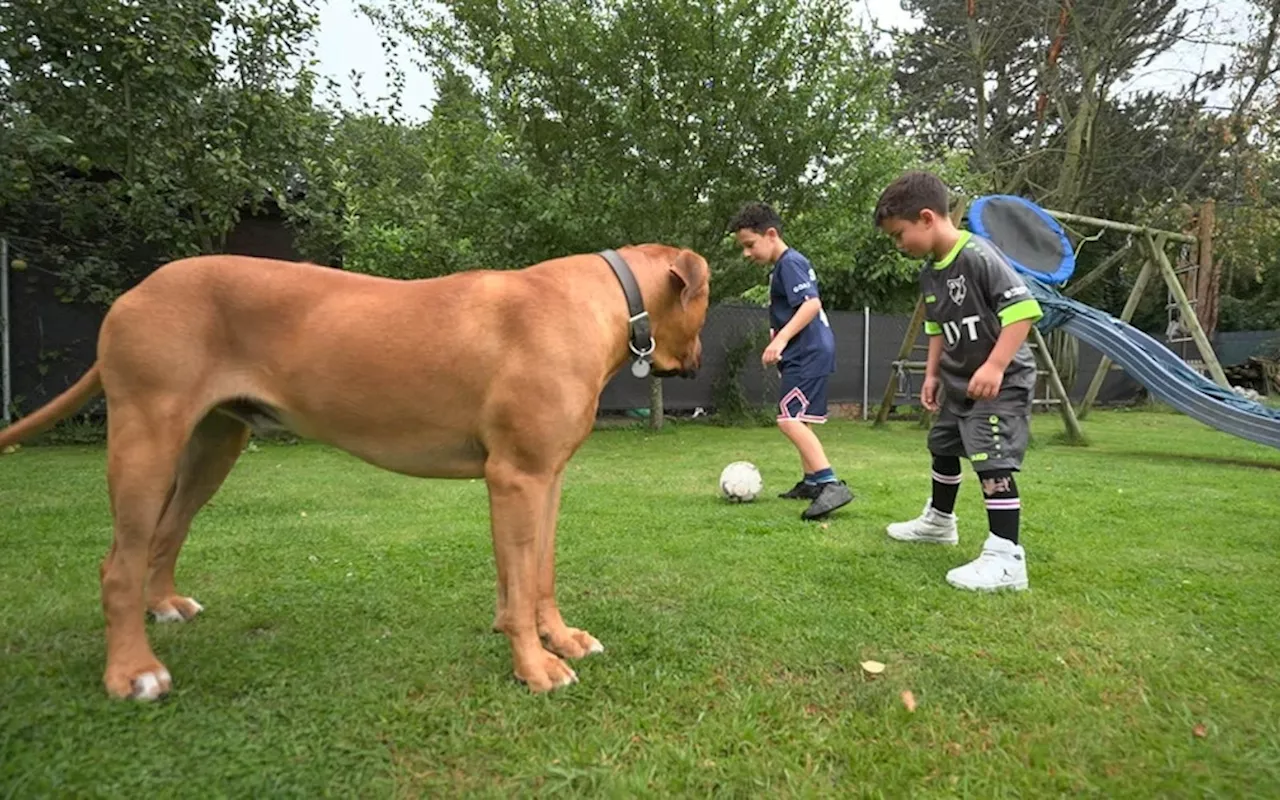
(1165, 375)
(1039, 249)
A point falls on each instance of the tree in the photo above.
(139, 132)
(1021, 84)
(646, 120)
(420, 200)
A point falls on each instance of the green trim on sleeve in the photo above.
(932, 328)
(1026, 309)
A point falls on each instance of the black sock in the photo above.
(1003, 505)
(946, 483)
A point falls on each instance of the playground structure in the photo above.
(1039, 249)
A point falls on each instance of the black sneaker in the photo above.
(802, 491)
(831, 497)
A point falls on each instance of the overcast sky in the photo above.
(348, 41)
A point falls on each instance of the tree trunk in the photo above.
(130, 159)
(1209, 274)
(982, 157)
(202, 231)
(656, 411)
(1079, 136)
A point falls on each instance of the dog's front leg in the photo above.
(517, 507)
(561, 639)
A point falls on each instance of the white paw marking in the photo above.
(174, 615)
(571, 678)
(148, 686)
(595, 647)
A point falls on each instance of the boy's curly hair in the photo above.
(757, 216)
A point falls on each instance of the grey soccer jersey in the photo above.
(970, 296)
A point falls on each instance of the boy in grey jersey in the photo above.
(980, 375)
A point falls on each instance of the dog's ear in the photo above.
(689, 275)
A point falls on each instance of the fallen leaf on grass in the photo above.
(1200, 731)
(872, 667)
(909, 700)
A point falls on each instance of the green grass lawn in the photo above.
(345, 649)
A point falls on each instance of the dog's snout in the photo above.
(694, 364)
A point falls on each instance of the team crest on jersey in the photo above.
(957, 290)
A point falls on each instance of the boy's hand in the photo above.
(773, 353)
(929, 393)
(985, 383)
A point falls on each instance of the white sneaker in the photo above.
(1002, 565)
(931, 526)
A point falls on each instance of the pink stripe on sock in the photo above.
(1004, 504)
(949, 480)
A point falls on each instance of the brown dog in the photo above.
(493, 374)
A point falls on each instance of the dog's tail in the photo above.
(53, 412)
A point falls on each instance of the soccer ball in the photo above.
(740, 482)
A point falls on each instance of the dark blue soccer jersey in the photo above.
(813, 350)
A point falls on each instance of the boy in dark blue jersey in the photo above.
(803, 348)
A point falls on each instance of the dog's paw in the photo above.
(151, 682)
(545, 672)
(175, 609)
(573, 643)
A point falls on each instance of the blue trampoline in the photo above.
(1033, 241)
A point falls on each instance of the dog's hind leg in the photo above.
(561, 639)
(143, 449)
(208, 458)
(499, 617)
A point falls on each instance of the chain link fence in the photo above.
(866, 348)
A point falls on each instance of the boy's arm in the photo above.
(1011, 338)
(985, 383)
(1008, 296)
(935, 356)
(803, 316)
(929, 391)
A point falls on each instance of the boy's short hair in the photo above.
(757, 216)
(910, 194)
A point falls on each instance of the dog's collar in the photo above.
(641, 339)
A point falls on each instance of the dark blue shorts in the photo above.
(802, 399)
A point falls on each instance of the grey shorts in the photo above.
(990, 441)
